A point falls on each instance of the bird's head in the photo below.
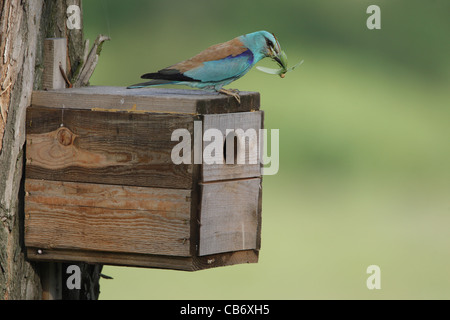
(265, 44)
(272, 47)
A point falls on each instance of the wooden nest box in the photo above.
(101, 185)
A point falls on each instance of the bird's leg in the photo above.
(233, 93)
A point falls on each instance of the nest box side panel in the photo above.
(105, 147)
(96, 217)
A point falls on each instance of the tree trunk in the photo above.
(23, 27)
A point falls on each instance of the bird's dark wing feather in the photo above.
(168, 74)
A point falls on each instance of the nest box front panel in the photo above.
(243, 129)
(230, 217)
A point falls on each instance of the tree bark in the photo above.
(23, 27)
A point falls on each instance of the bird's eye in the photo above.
(269, 43)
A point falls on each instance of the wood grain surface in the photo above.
(145, 100)
(230, 216)
(244, 146)
(193, 263)
(105, 147)
(68, 215)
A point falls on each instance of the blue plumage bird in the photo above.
(218, 65)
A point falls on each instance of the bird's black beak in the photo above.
(278, 56)
(277, 59)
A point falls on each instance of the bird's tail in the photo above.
(157, 82)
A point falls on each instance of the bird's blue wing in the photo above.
(222, 69)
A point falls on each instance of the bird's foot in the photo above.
(232, 92)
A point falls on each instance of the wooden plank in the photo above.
(145, 100)
(105, 147)
(142, 260)
(81, 216)
(261, 152)
(225, 259)
(229, 216)
(55, 53)
(248, 122)
(195, 214)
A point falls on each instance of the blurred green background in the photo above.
(364, 143)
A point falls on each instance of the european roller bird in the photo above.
(218, 65)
